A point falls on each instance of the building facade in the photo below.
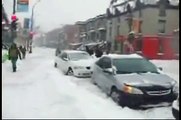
(149, 17)
(93, 29)
(6, 32)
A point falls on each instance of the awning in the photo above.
(75, 44)
(91, 31)
(101, 29)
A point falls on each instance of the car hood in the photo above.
(145, 79)
(88, 62)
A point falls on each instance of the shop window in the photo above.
(161, 24)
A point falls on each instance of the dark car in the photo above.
(133, 81)
(175, 109)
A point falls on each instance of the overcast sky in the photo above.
(51, 14)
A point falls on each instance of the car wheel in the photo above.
(55, 65)
(93, 81)
(70, 72)
(116, 96)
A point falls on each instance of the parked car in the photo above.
(73, 62)
(133, 81)
(175, 108)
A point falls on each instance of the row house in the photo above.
(143, 17)
(69, 34)
(82, 31)
(93, 29)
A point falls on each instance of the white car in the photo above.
(76, 63)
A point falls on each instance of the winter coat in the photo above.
(128, 48)
(14, 52)
(90, 51)
(57, 52)
(23, 50)
(98, 52)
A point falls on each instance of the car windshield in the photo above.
(79, 56)
(134, 65)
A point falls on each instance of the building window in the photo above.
(110, 22)
(161, 24)
(119, 19)
(115, 45)
(140, 27)
(118, 28)
(98, 36)
(110, 31)
(162, 10)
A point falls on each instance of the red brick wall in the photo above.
(72, 33)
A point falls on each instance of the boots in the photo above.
(14, 69)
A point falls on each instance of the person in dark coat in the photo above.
(91, 52)
(23, 51)
(58, 51)
(13, 55)
(98, 52)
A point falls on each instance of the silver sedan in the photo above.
(133, 81)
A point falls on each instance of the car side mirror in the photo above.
(108, 70)
(114, 70)
(160, 68)
(65, 59)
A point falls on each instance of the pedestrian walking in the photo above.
(57, 51)
(90, 51)
(98, 52)
(128, 47)
(23, 51)
(13, 55)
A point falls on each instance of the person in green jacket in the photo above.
(13, 55)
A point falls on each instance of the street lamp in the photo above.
(31, 28)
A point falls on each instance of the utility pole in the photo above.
(13, 32)
(14, 6)
(32, 22)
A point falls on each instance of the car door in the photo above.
(105, 76)
(64, 62)
(97, 71)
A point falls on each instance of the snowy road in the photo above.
(38, 90)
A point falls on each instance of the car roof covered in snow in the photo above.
(122, 56)
(73, 51)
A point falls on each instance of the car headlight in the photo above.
(132, 90)
(175, 88)
(78, 67)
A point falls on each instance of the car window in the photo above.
(59, 55)
(104, 63)
(99, 63)
(79, 56)
(134, 65)
(64, 55)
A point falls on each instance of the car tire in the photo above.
(116, 96)
(70, 72)
(55, 65)
(93, 81)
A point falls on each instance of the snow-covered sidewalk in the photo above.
(38, 90)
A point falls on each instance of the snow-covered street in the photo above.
(38, 90)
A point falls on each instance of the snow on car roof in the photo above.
(74, 51)
(124, 56)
